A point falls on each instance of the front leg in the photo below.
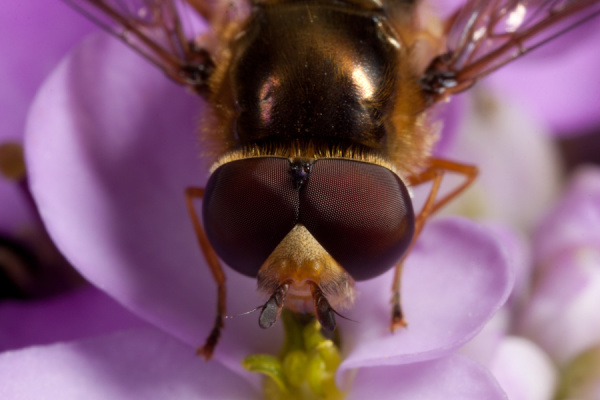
(212, 260)
(434, 173)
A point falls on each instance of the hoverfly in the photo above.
(320, 109)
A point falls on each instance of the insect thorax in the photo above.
(313, 73)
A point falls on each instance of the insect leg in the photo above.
(434, 173)
(206, 351)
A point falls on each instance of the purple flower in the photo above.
(554, 305)
(562, 313)
(109, 149)
(109, 152)
(521, 367)
(77, 314)
(29, 262)
(135, 362)
(554, 324)
(34, 36)
(524, 370)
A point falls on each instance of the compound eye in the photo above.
(360, 213)
(249, 206)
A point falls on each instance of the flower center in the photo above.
(306, 366)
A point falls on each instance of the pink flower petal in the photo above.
(574, 222)
(524, 371)
(513, 151)
(453, 282)
(34, 36)
(24, 26)
(137, 364)
(84, 313)
(454, 377)
(111, 149)
(518, 249)
(562, 314)
(484, 346)
(559, 83)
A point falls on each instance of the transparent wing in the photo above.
(487, 34)
(160, 30)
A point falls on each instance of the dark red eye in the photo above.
(360, 213)
(249, 206)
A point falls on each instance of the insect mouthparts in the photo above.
(272, 308)
(325, 314)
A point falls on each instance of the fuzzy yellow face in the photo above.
(300, 260)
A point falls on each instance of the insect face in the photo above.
(326, 222)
